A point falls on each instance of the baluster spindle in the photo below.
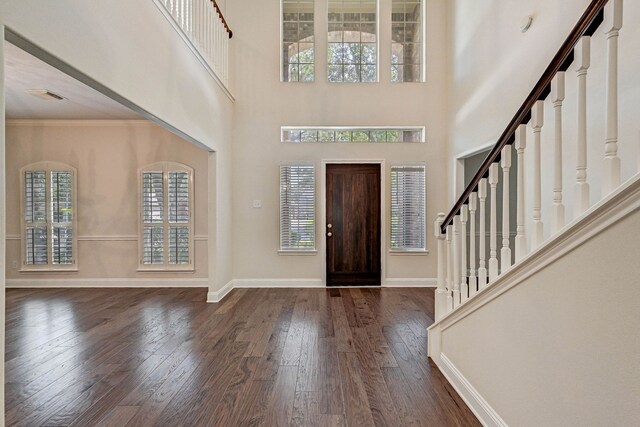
(464, 287)
(612, 25)
(521, 238)
(557, 96)
(449, 269)
(441, 292)
(456, 261)
(482, 269)
(473, 280)
(537, 120)
(582, 58)
(505, 252)
(494, 174)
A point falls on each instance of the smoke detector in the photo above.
(45, 94)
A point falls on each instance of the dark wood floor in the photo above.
(163, 357)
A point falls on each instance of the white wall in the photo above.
(264, 104)
(555, 342)
(107, 156)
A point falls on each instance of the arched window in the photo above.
(407, 41)
(298, 54)
(166, 217)
(48, 216)
(352, 36)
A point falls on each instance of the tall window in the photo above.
(352, 35)
(48, 217)
(166, 217)
(407, 41)
(297, 41)
(297, 207)
(408, 227)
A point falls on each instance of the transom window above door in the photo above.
(352, 134)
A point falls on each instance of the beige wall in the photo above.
(264, 104)
(107, 156)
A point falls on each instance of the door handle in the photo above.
(329, 234)
(329, 225)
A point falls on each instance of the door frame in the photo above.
(322, 224)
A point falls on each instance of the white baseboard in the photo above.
(278, 283)
(107, 283)
(219, 295)
(411, 283)
(478, 405)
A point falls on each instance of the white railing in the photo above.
(540, 193)
(203, 24)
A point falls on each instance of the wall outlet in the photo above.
(257, 203)
(14, 264)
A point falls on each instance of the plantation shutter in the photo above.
(61, 217)
(152, 214)
(35, 217)
(297, 207)
(166, 215)
(408, 225)
(179, 202)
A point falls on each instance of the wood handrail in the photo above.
(586, 26)
(224, 21)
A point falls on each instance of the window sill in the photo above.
(189, 269)
(296, 253)
(418, 252)
(49, 270)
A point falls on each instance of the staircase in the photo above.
(537, 332)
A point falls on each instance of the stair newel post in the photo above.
(449, 268)
(441, 292)
(456, 261)
(521, 237)
(464, 287)
(582, 58)
(557, 96)
(494, 174)
(537, 120)
(611, 171)
(473, 280)
(482, 269)
(505, 252)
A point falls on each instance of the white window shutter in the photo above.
(297, 207)
(408, 225)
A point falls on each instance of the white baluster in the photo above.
(449, 268)
(482, 270)
(456, 261)
(612, 25)
(441, 292)
(505, 252)
(473, 280)
(521, 237)
(494, 174)
(537, 120)
(582, 57)
(557, 96)
(464, 287)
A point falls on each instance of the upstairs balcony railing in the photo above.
(204, 25)
(466, 266)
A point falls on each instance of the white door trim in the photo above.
(322, 224)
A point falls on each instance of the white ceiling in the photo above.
(24, 71)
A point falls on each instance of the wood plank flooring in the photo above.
(273, 357)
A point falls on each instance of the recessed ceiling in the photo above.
(24, 72)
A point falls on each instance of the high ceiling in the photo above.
(25, 72)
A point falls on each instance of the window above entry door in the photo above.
(354, 134)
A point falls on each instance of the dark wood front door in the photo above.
(353, 224)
